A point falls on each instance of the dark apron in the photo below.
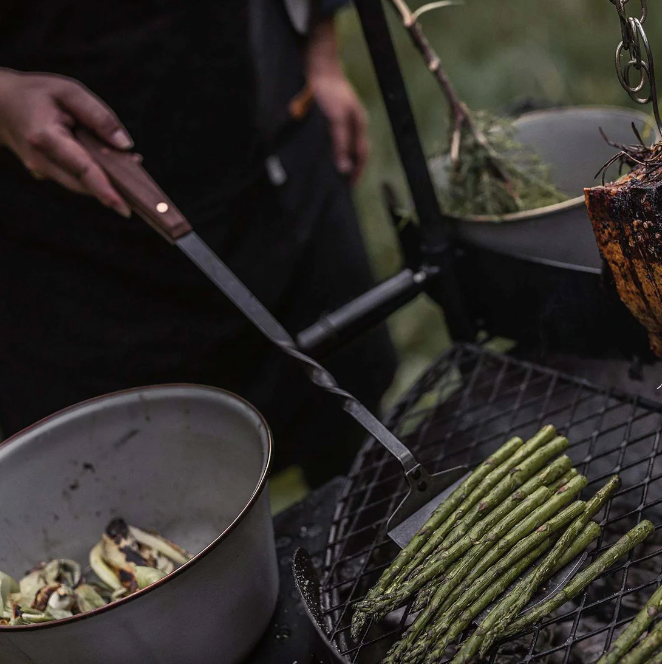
(92, 303)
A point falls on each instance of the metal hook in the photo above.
(633, 36)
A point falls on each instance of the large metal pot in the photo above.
(191, 462)
(569, 141)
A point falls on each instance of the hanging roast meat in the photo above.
(627, 222)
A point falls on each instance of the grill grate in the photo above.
(466, 405)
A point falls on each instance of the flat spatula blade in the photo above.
(403, 533)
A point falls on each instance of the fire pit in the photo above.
(462, 409)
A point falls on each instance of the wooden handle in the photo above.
(137, 187)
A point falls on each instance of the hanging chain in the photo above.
(634, 54)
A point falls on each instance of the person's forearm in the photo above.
(322, 53)
(337, 99)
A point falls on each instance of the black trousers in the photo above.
(92, 303)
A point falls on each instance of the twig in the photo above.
(459, 111)
(434, 5)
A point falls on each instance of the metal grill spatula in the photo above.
(148, 200)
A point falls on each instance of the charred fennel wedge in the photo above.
(127, 559)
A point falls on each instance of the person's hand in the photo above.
(338, 101)
(37, 115)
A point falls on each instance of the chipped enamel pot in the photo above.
(190, 462)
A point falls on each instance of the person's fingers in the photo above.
(60, 148)
(361, 143)
(62, 177)
(67, 119)
(90, 111)
(42, 168)
(341, 136)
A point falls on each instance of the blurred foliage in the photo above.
(497, 53)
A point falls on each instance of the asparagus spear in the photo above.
(511, 605)
(485, 563)
(649, 646)
(590, 533)
(426, 593)
(457, 572)
(564, 480)
(432, 646)
(439, 563)
(484, 547)
(548, 476)
(491, 480)
(493, 573)
(501, 538)
(624, 545)
(508, 486)
(447, 507)
(486, 632)
(448, 612)
(414, 650)
(656, 659)
(635, 629)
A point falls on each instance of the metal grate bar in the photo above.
(465, 405)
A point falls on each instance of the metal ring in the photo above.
(635, 46)
(649, 66)
(633, 36)
(645, 66)
(643, 69)
(628, 27)
(623, 71)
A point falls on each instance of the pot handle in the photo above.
(137, 187)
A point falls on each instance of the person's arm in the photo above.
(37, 115)
(337, 99)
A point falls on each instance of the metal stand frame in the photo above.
(431, 264)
